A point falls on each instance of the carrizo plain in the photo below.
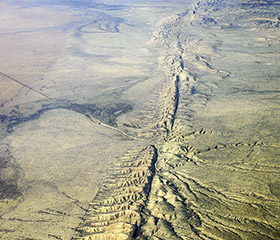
(144, 119)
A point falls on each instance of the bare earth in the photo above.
(140, 120)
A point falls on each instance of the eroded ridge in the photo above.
(183, 205)
(170, 99)
(116, 211)
(216, 182)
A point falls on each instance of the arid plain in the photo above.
(139, 120)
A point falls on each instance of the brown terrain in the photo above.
(140, 120)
